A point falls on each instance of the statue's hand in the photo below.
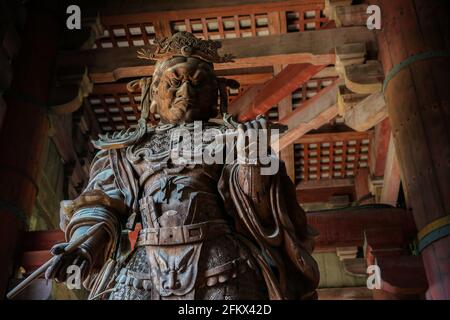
(58, 270)
(253, 142)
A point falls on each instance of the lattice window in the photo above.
(234, 93)
(272, 114)
(309, 90)
(331, 155)
(305, 20)
(228, 27)
(114, 107)
(120, 31)
(130, 35)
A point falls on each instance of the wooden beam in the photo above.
(384, 241)
(348, 54)
(333, 137)
(328, 72)
(284, 108)
(315, 123)
(251, 79)
(314, 113)
(345, 227)
(314, 191)
(41, 240)
(31, 260)
(348, 99)
(391, 181)
(367, 113)
(130, 12)
(364, 78)
(325, 183)
(379, 148)
(362, 184)
(402, 277)
(259, 100)
(315, 47)
(313, 107)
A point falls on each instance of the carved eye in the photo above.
(162, 260)
(174, 82)
(197, 82)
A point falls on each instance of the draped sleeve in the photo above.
(274, 226)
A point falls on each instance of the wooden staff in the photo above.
(70, 247)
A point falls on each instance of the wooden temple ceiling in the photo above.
(309, 64)
(285, 60)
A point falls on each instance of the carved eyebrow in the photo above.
(172, 72)
(198, 72)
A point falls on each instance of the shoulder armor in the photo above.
(121, 139)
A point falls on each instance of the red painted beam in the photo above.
(262, 98)
(41, 240)
(323, 190)
(32, 260)
(345, 227)
(402, 277)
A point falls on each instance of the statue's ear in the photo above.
(225, 83)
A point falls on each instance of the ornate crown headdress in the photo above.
(187, 45)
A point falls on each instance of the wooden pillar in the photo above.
(24, 132)
(416, 34)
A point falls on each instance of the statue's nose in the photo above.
(185, 90)
(172, 282)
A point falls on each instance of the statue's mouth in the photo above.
(183, 103)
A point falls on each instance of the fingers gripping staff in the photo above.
(52, 265)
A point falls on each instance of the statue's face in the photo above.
(186, 91)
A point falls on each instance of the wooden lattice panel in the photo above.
(305, 19)
(272, 114)
(126, 35)
(331, 155)
(114, 107)
(234, 22)
(215, 28)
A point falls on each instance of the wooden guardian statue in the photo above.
(209, 231)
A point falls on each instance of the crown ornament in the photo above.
(185, 44)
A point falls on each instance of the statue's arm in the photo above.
(263, 199)
(100, 201)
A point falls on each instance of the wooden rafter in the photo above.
(320, 191)
(260, 99)
(284, 108)
(342, 228)
(316, 112)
